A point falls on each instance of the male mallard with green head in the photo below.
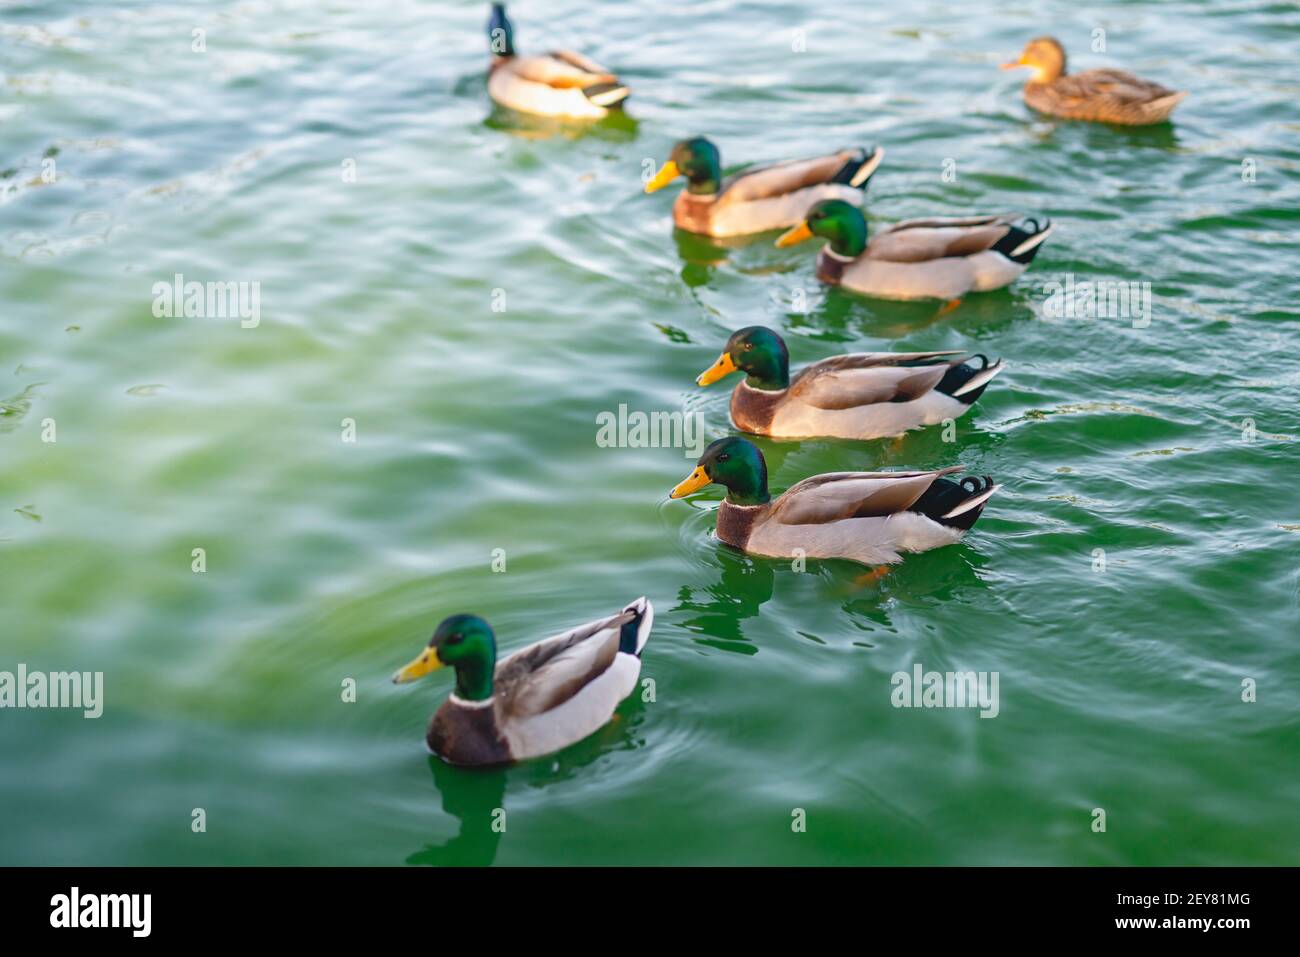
(561, 84)
(937, 258)
(540, 699)
(766, 197)
(867, 517)
(863, 395)
(1099, 96)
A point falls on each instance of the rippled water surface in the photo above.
(1169, 446)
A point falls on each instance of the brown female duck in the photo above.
(1099, 96)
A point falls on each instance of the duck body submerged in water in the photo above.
(561, 84)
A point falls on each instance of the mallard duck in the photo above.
(543, 697)
(864, 395)
(766, 197)
(561, 84)
(1101, 96)
(867, 517)
(941, 258)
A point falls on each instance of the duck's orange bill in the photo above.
(421, 666)
(794, 236)
(1012, 64)
(719, 370)
(667, 173)
(692, 483)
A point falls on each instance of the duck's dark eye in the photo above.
(455, 639)
(723, 457)
(748, 346)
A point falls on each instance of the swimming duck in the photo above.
(867, 517)
(766, 197)
(1101, 96)
(543, 697)
(942, 258)
(864, 395)
(560, 84)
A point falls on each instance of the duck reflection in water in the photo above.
(615, 128)
(475, 797)
(741, 590)
(702, 255)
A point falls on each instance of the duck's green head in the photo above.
(501, 33)
(697, 159)
(465, 642)
(758, 352)
(732, 462)
(840, 222)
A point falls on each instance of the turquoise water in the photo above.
(476, 430)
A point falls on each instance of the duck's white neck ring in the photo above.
(744, 384)
(462, 703)
(836, 256)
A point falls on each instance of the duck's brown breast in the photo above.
(752, 410)
(692, 212)
(467, 735)
(736, 523)
(830, 269)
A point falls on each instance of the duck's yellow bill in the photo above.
(719, 370)
(421, 666)
(692, 483)
(794, 236)
(667, 173)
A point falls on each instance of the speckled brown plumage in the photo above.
(1104, 96)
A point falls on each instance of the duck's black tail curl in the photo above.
(966, 381)
(608, 95)
(857, 172)
(634, 632)
(956, 504)
(1023, 240)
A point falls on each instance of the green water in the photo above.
(476, 430)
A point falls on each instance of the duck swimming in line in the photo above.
(762, 198)
(541, 698)
(560, 84)
(867, 517)
(1099, 96)
(863, 395)
(936, 258)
